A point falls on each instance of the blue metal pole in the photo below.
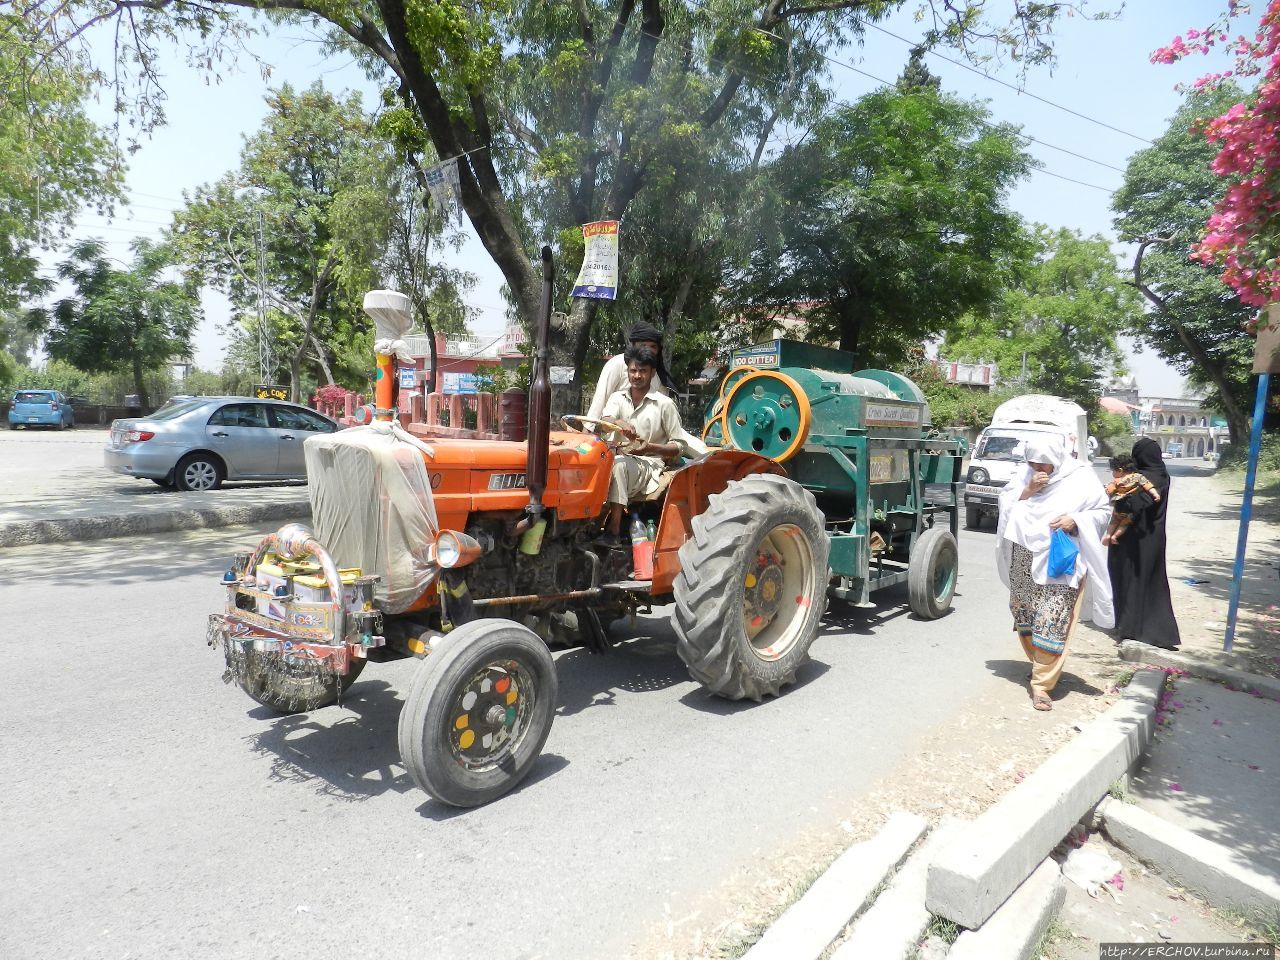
(1246, 509)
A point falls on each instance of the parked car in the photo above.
(196, 444)
(40, 408)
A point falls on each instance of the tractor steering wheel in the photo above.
(602, 425)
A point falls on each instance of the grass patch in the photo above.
(1261, 925)
(945, 930)
(1120, 791)
(1057, 932)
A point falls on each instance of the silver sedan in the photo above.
(196, 443)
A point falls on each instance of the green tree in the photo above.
(322, 188)
(1063, 313)
(890, 223)
(564, 111)
(133, 320)
(1196, 323)
(53, 159)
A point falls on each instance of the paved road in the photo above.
(151, 811)
(154, 812)
(47, 474)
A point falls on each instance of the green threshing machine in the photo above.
(862, 443)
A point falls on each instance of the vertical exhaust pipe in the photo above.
(539, 433)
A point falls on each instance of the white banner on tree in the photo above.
(442, 181)
(598, 278)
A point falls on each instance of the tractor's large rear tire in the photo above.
(752, 587)
(478, 712)
(932, 572)
(295, 690)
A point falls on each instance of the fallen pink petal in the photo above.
(1217, 723)
(1254, 766)
(1177, 704)
(1117, 881)
(1175, 787)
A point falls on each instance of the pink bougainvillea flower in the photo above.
(1117, 881)
(1175, 787)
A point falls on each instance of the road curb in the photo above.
(893, 925)
(842, 892)
(21, 533)
(1199, 864)
(994, 854)
(1135, 652)
(1017, 926)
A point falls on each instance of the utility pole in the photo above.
(265, 363)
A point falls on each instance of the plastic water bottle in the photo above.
(651, 528)
(641, 550)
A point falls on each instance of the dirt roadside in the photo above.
(962, 769)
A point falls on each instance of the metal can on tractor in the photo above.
(474, 555)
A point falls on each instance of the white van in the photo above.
(997, 454)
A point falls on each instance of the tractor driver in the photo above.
(653, 427)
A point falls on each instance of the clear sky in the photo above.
(1103, 72)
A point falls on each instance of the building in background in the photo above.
(979, 376)
(1183, 426)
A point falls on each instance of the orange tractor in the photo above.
(473, 555)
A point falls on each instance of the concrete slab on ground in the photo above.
(998, 851)
(1214, 769)
(893, 925)
(1013, 931)
(840, 894)
(1211, 665)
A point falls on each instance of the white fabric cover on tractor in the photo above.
(371, 507)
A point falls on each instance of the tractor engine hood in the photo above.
(372, 506)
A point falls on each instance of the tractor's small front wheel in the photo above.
(932, 572)
(752, 587)
(478, 712)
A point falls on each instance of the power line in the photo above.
(1003, 83)
(985, 123)
(871, 76)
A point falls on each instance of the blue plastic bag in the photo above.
(1062, 554)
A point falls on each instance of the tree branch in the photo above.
(1237, 419)
(522, 131)
(820, 8)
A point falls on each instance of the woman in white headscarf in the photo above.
(1053, 492)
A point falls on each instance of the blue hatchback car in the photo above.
(40, 408)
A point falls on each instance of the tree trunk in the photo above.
(433, 360)
(1237, 419)
(321, 359)
(570, 350)
(295, 375)
(139, 383)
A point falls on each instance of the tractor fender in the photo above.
(687, 497)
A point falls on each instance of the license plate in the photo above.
(33, 419)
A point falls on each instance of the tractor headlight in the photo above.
(454, 549)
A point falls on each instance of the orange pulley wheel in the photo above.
(767, 412)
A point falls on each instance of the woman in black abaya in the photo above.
(1139, 585)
